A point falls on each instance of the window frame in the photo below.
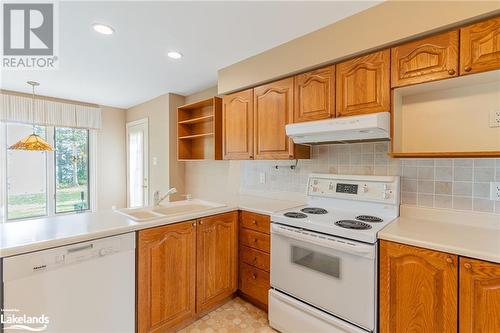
(50, 175)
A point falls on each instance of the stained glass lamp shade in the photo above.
(33, 141)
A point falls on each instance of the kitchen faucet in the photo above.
(158, 199)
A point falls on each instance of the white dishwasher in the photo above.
(85, 287)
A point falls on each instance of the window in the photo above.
(47, 183)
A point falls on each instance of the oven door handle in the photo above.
(329, 242)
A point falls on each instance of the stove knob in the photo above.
(364, 189)
(385, 195)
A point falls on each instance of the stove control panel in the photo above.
(365, 188)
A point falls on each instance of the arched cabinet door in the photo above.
(480, 47)
(363, 85)
(273, 110)
(237, 115)
(166, 277)
(418, 289)
(428, 59)
(479, 296)
(315, 95)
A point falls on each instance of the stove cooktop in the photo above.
(335, 222)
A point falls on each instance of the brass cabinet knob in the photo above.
(201, 222)
(254, 222)
(467, 265)
(194, 224)
(251, 157)
(451, 71)
(467, 68)
(449, 260)
(254, 276)
(255, 240)
(254, 259)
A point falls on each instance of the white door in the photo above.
(137, 163)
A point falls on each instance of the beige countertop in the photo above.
(39, 234)
(475, 235)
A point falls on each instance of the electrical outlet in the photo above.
(262, 179)
(495, 191)
(495, 118)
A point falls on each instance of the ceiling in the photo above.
(131, 66)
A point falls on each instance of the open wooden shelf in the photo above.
(199, 130)
(194, 136)
(197, 120)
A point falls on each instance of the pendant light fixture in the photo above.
(33, 141)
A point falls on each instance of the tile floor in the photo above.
(234, 316)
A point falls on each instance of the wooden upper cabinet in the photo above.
(418, 289)
(479, 296)
(315, 95)
(273, 109)
(217, 252)
(428, 59)
(166, 272)
(238, 125)
(363, 84)
(480, 47)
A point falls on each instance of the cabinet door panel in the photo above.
(363, 84)
(480, 47)
(217, 259)
(418, 289)
(315, 95)
(238, 125)
(166, 277)
(273, 109)
(428, 59)
(479, 296)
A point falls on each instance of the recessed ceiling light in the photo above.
(103, 29)
(174, 55)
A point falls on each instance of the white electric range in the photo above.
(324, 254)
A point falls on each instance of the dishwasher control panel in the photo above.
(45, 260)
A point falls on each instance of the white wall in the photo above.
(111, 159)
(162, 114)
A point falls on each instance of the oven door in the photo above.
(331, 273)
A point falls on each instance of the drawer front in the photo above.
(254, 282)
(254, 239)
(257, 222)
(255, 258)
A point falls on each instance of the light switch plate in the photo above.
(495, 118)
(495, 191)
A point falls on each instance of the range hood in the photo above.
(368, 127)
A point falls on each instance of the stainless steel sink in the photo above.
(169, 209)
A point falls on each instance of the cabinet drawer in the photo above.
(254, 282)
(254, 258)
(254, 239)
(257, 222)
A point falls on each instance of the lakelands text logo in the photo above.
(29, 36)
(11, 319)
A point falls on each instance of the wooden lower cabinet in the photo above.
(255, 265)
(479, 296)
(185, 269)
(255, 283)
(166, 276)
(217, 251)
(418, 289)
(430, 291)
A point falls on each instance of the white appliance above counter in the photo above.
(373, 126)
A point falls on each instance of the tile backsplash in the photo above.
(462, 184)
